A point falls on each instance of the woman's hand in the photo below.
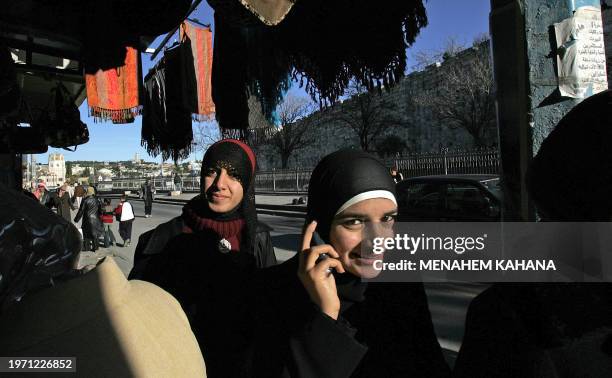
(316, 278)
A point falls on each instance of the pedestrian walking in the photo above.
(79, 193)
(125, 215)
(63, 203)
(90, 211)
(147, 191)
(43, 195)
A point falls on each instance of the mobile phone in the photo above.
(317, 240)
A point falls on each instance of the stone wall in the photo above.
(419, 130)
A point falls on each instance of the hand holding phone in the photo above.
(314, 271)
(317, 240)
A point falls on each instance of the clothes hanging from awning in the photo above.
(320, 43)
(201, 50)
(113, 94)
(170, 96)
(246, 62)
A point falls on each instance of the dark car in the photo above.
(469, 198)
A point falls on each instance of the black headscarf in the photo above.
(338, 178)
(238, 159)
(232, 154)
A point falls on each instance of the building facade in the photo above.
(57, 168)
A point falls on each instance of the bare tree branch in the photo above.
(367, 115)
(464, 96)
(205, 134)
(292, 133)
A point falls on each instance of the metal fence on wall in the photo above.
(187, 184)
(484, 161)
(283, 180)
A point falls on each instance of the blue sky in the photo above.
(462, 20)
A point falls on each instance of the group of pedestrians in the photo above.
(93, 213)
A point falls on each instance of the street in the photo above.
(448, 302)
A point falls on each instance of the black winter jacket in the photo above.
(387, 334)
(208, 284)
(90, 210)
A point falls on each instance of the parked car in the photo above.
(469, 198)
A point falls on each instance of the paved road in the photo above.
(447, 302)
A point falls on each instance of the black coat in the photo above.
(154, 242)
(389, 334)
(147, 192)
(90, 210)
(208, 284)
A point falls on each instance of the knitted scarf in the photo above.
(227, 227)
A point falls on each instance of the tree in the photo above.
(292, 134)
(451, 48)
(204, 135)
(367, 114)
(463, 97)
(86, 172)
(390, 146)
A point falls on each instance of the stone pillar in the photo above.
(529, 104)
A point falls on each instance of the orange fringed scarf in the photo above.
(201, 47)
(112, 95)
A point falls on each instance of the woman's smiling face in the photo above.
(353, 230)
(223, 190)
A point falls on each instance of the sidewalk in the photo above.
(260, 199)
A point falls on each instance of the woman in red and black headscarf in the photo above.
(203, 256)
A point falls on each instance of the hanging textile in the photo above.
(322, 44)
(270, 12)
(170, 96)
(201, 49)
(112, 95)
(246, 62)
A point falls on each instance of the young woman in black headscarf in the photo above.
(204, 256)
(321, 324)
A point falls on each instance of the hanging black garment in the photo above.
(171, 95)
(322, 44)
